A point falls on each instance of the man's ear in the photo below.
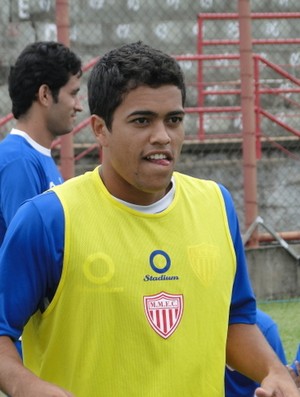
(100, 130)
(44, 95)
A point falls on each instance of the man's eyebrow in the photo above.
(177, 113)
(142, 113)
(150, 113)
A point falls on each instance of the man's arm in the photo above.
(23, 284)
(249, 353)
(17, 381)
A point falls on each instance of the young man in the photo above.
(237, 384)
(43, 86)
(144, 265)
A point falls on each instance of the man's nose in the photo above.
(78, 105)
(160, 134)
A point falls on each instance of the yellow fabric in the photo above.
(95, 338)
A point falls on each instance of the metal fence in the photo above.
(204, 36)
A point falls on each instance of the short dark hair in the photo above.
(126, 68)
(44, 62)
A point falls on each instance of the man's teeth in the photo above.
(157, 157)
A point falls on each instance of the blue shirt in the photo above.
(32, 255)
(26, 169)
(238, 385)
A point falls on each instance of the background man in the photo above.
(43, 87)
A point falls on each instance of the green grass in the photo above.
(286, 313)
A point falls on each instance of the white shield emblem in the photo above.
(164, 312)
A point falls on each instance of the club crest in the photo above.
(164, 312)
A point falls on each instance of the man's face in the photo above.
(62, 114)
(143, 145)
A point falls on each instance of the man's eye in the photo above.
(141, 121)
(175, 119)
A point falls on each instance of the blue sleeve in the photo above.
(297, 358)
(298, 354)
(30, 261)
(273, 337)
(237, 385)
(271, 332)
(243, 303)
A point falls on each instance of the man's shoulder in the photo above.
(193, 179)
(42, 203)
(12, 147)
(15, 149)
(196, 185)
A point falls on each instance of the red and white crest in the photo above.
(164, 312)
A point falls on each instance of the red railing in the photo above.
(251, 123)
(6, 119)
(259, 90)
(262, 112)
(203, 17)
(202, 43)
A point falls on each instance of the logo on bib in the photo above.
(164, 312)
